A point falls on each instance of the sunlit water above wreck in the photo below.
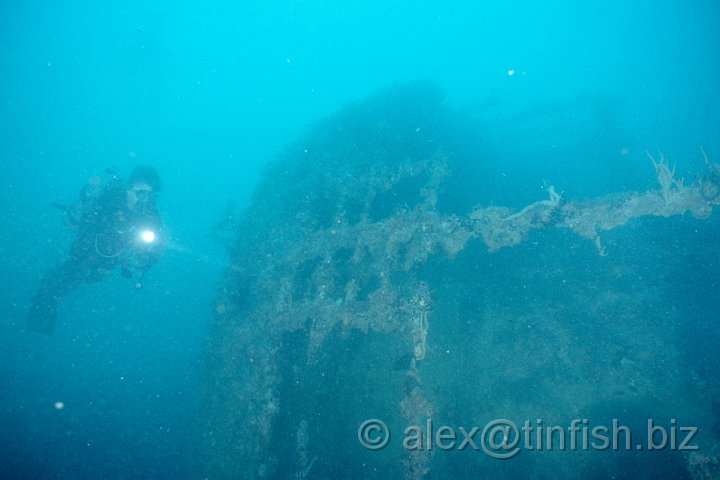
(360, 225)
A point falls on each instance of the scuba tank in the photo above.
(89, 193)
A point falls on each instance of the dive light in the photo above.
(147, 236)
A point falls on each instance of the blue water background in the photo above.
(570, 93)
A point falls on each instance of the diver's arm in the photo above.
(143, 257)
(148, 253)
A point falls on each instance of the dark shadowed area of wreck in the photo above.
(371, 280)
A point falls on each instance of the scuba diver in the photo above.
(117, 224)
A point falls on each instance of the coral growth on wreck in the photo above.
(353, 293)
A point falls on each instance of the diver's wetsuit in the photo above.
(108, 234)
